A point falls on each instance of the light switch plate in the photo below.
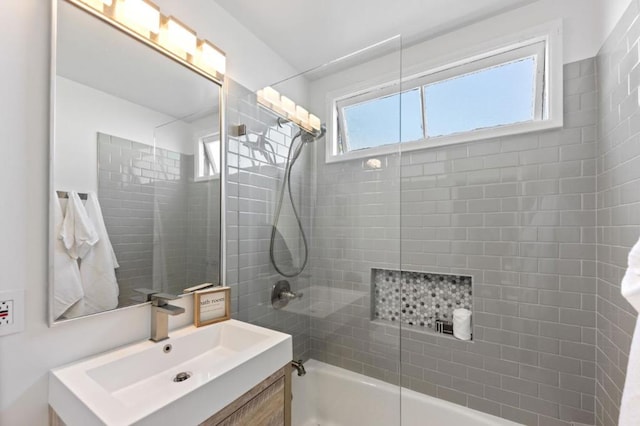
(11, 312)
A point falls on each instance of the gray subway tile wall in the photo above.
(163, 226)
(517, 214)
(127, 175)
(542, 222)
(203, 228)
(618, 207)
(252, 189)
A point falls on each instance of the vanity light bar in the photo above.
(286, 108)
(209, 57)
(141, 16)
(178, 37)
(143, 19)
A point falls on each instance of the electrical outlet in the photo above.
(11, 312)
(6, 312)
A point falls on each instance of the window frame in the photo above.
(377, 93)
(545, 41)
(197, 157)
(535, 49)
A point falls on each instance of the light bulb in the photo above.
(177, 37)
(210, 57)
(142, 16)
(271, 95)
(302, 114)
(314, 122)
(288, 106)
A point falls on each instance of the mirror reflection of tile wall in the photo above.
(162, 232)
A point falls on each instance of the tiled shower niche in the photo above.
(419, 299)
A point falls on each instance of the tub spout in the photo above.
(299, 367)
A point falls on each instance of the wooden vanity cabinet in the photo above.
(267, 404)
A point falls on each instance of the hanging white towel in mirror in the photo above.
(67, 287)
(97, 269)
(78, 234)
(630, 406)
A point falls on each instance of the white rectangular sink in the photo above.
(135, 384)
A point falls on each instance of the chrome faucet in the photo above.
(160, 311)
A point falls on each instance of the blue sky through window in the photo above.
(491, 97)
(487, 98)
(377, 122)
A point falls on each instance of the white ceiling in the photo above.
(309, 33)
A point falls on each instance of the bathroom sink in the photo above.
(144, 383)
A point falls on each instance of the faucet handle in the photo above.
(290, 295)
(146, 294)
(159, 299)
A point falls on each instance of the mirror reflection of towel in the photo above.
(66, 274)
(78, 234)
(97, 269)
(630, 406)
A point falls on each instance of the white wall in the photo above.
(25, 358)
(583, 33)
(610, 13)
(584, 29)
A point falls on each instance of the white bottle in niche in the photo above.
(462, 324)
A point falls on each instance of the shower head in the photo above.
(305, 135)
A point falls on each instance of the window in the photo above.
(498, 93)
(377, 122)
(207, 157)
(497, 96)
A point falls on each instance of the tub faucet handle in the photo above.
(290, 295)
(281, 294)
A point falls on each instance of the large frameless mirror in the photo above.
(136, 163)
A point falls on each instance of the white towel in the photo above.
(462, 323)
(67, 288)
(97, 268)
(630, 406)
(78, 233)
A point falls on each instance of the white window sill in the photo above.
(438, 142)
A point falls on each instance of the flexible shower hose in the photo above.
(286, 182)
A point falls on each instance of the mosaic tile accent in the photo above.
(419, 298)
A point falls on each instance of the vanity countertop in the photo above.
(135, 384)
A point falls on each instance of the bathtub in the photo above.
(332, 396)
